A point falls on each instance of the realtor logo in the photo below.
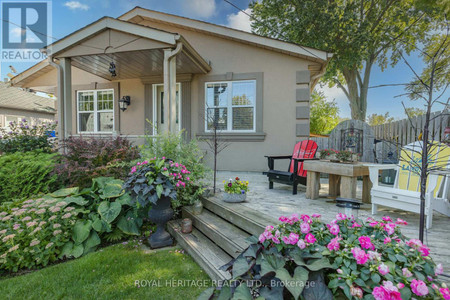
(26, 28)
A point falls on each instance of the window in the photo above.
(96, 111)
(231, 105)
(9, 119)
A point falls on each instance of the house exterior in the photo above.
(181, 73)
(17, 104)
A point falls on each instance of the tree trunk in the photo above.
(357, 89)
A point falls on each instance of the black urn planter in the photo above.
(160, 213)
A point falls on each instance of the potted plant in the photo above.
(347, 156)
(153, 183)
(235, 190)
(329, 154)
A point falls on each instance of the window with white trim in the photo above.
(95, 111)
(231, 104)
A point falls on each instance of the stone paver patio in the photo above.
(280, 201)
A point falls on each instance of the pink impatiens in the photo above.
(383, 269)
(366, 242)
(360, 255)
(310, 238)
(386, 292)
(419, 287)
(334, 229)
(334, 244)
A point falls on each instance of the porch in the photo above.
(264, 206)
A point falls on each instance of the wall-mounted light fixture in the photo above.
(124, 103)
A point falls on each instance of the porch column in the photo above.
(170, 86)
(66, 68)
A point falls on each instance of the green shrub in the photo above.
(67, 223)
(174, 147)
(25, 174)
(23, 137)
(87, 158)
(33, 232)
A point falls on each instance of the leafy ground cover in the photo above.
(110, 273)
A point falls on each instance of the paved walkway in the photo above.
(280, 201)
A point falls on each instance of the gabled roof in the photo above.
(15, 98)
(138, 13)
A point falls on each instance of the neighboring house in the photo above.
(177, 72)
(17, 104)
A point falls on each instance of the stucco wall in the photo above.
(279, 92)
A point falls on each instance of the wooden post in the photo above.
(367, 186)
(348, 187)
(333, 185)
(312, 185)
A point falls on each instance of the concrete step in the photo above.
(207, 254)
(224, 234)
(239, 215)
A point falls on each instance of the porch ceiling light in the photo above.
(124, 103)
(112, 69)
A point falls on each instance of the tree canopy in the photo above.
(379, 119)
(324, 115)
(360, 33)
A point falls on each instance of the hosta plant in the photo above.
(345, 259)
(105, 211)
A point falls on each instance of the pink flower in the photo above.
(387, 240)
(339, 271)
(439, 269)
(301, 244)
(406, 272)
(275, 240)
(285, 239)
(305, 218)
(365, 242)
(400, 285)
(445, 293)
(262, 238)
(414, 243)
(401, 222)
(360, 255)
(356, 291)
(310, 238)
(305, 228)
(334, 229)
(386, 292)
(293, 238)
(34, 243)
(373, 224)
(419, 287)
(283, 219)
(341, 216)
(390, 228)
(334, 244)
(387, 219)
(383, 269)
(424, 250)
(294, 218)
(356, 225)
(316, 216)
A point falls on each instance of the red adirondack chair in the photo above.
(295, 175)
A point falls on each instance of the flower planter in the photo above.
(234, 198)
(160, 213)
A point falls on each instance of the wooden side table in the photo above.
(342, 179)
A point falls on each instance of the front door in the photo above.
(162, 125)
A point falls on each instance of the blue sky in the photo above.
(69, 16)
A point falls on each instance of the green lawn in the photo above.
(110, 274)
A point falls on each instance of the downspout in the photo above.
(170, 82)
(60, 99)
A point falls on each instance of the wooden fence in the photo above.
(407, 131)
